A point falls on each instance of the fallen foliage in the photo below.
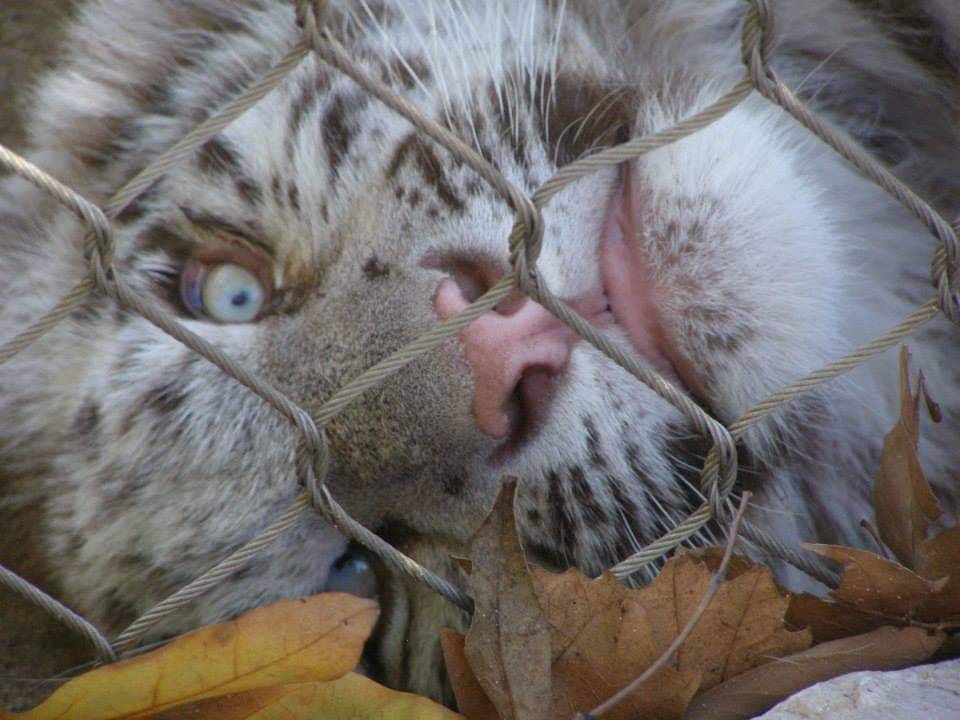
(351, 696)
(904, 502)
(509, 634)
(313, 639)
(711, 638)
(756, 690)
(751, 644)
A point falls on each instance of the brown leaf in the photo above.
(576, 606)
(508, 645)
(604, 635)
(939, 559)
(743, 627)
(352, 696)
(595, 652)
(713, 556)
(873, 584)
(873, 592)
(830, 620)
(753, 692)
(316, 638)
(472, 702)
(904, 502)
(603, 660)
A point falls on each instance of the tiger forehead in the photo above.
(290, 179)
(295, 209)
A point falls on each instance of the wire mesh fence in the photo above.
(525, 242)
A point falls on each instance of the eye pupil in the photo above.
(240, 298)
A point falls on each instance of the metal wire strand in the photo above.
(525, 242)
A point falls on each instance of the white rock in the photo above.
(927, 692)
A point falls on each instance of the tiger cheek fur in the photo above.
(733, 261)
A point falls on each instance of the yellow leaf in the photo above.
(352, 697)
(295, 641)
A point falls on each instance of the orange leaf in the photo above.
(904, 503)
(352, 696)
(295, 641)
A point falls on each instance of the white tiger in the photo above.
(319, 233)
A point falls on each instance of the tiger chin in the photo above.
(319, 233)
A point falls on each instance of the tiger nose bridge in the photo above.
(515, 351)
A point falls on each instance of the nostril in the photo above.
(514, 409)
(473, 276)
(534, 391)
(525, 407)
(472, 287)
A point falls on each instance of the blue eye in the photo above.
(352, 573)
(227, 293)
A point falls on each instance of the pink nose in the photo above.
(516, 352)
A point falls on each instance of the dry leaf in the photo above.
(829, 620)
(713, 556)
(508, 645)
(755, 691)
(601, 641)
(352, 696)
(873, 592)
(939, 559)
(904, 502)
(472, 702)
(874, 584)
(295, 641)
(742, 628)
(576, 606)
(605, 634)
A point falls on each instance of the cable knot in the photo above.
(313, 467)
(526, 242)
(98, 250)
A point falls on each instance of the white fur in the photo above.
(795, 256)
